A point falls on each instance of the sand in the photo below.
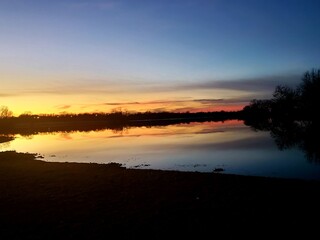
(41, 200)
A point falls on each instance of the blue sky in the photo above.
(80, 55)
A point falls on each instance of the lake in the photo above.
(230, 146)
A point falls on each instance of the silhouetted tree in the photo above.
(5, 112)
(309, 91)
(285, 102)
(258, 109)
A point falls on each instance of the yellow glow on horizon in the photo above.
(56, 94)
(85, 104)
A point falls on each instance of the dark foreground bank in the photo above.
(40, 200)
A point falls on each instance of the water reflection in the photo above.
(6, 138)
(293, 134)
(196, 146)
(5, 141)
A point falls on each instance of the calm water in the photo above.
(202, 147)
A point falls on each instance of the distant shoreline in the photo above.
(32, 124)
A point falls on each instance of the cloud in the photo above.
(178, 105)
(121, 103)
(255, 87)
(63, 106)
(161, 109)
(156, 102)
(209, 108)
(256, 84)
(208, 100)
(7, 95)
(66, 89)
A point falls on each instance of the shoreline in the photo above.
(71, 200)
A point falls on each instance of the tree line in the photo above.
(300, 103)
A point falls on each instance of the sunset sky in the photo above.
(188, 55)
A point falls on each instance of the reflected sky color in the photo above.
(81, 55)
(184, 147)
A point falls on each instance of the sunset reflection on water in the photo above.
(202, 147)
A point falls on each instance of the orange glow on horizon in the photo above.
(73, 94)
(73, 97)
(214, 108)
(51, 106)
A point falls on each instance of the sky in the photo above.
(79, 56)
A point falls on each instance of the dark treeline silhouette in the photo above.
(291, 115)
(28, 124)
(300, 103)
